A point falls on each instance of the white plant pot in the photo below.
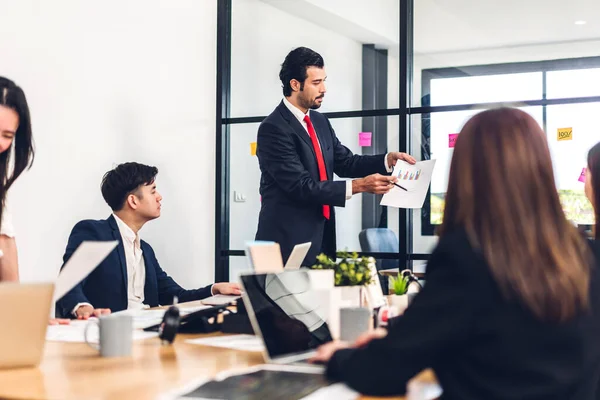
(351, 296)
(400, 303)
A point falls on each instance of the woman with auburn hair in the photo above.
(592, 184)
(511, 307)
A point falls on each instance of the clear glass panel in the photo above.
(245, 181)
(264, 31)
(244, 201)
(349, 219)
(486, 89)
(573, 83)
(436, 129)
(570, 156)
(460, 33)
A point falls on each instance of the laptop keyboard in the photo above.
(260, 385)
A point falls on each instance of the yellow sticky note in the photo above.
(564, 134)
(253, 148)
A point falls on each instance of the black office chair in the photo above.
(380, 240)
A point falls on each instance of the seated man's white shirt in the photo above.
(136, 268)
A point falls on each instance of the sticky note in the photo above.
(253, 148)
(364, 139)
(564, 134)
(452, 140)
(582, 176)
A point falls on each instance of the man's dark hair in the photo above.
(294, 67)
(124, 180)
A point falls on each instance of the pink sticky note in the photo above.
(582, 176)
(452, 139)
(364, 139)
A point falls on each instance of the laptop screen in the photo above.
(289, 313)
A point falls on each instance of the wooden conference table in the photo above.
(75, 371)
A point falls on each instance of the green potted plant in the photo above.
(399, 288)
(351, 275)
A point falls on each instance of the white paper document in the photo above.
(83, 261)
(235, 342)
(220, 299)
(74, 332)
(413, 180)
(337, 391)
(144, 318)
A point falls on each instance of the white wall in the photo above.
(107, 83)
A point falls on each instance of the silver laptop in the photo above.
(287, 314)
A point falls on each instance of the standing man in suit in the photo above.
(130, 277)
(298, 153)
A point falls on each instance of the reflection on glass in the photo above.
(289, 313)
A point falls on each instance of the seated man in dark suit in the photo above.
(129, 277)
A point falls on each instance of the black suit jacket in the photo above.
(292, 194)
(106, 286)
(479, 345)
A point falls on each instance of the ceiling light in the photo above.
(580, 22)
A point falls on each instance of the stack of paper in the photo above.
(235, 342)
(74, 332)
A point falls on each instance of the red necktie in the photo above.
(320, 161)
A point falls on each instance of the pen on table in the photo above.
(403, 188)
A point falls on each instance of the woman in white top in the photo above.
(16, 155)
(16, 141)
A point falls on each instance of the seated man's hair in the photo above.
(124, 180)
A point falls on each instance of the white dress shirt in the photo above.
(299, 114)
(136, 268)
(6, 226)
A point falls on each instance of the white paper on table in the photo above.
(143, 318)
(415, 179)
(337, 391)
(235, 342)
(83, 261)
(220, 299)
(74, 332)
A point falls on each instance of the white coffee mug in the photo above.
(115, 335)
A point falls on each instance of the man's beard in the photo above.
(313, 105)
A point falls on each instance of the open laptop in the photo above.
(287, 314)
(25, 308)
(24, 313)
(297, 257)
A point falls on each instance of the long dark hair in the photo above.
(594, 167)
(13, 97)
(502, 192)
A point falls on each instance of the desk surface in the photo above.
(75, 371)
